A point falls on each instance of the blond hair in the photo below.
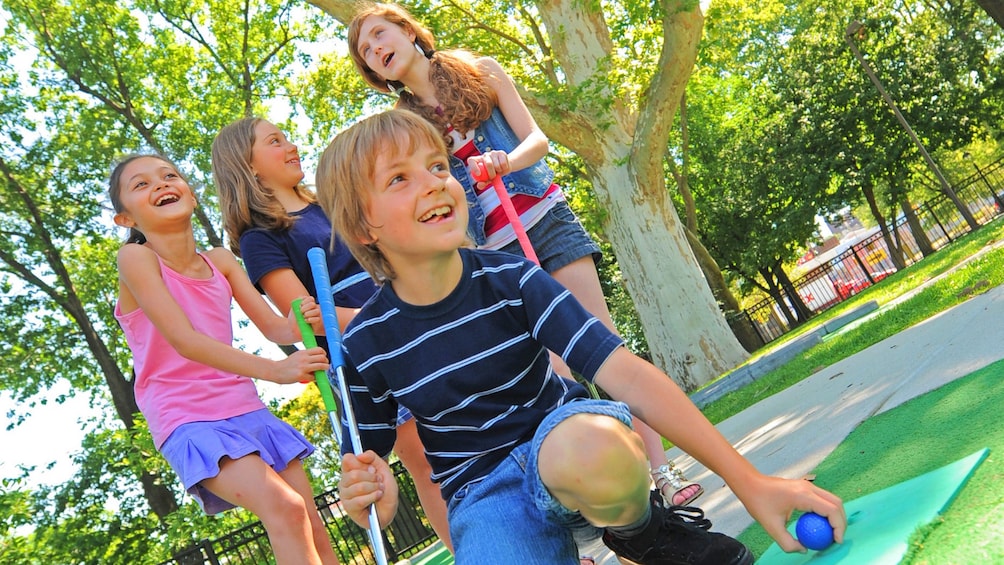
(345, 176)
(465, 97)
(244, 202)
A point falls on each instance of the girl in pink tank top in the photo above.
(192, 385)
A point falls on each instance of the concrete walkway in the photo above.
(789, 433)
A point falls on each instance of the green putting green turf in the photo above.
(435, 554)
(879, 524)
(924, 434)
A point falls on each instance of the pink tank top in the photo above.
(170, 389)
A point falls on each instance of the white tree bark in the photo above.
(623, 144)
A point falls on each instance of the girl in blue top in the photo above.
(271, 220)
(485, 122)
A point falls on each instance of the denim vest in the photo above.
(495, 134)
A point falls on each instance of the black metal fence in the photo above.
(408, 534)
(869, 260)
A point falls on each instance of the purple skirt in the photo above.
(194, 450)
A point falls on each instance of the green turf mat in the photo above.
(435, 554)
(879, 524)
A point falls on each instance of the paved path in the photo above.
(788, 434)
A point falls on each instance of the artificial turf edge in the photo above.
(920, 435)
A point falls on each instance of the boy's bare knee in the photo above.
(590, 460)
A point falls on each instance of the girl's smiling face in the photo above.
(274, 159)
(153, 190)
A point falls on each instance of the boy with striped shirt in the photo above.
(461, 338)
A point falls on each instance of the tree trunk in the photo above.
(741, 325)
(623, 148)
(869, 193)
(896, 252)
(801, 310)
(995, 8)
(158, 494)
(916, 230)
(775, 292)
(670, 293)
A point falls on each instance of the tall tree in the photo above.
(775, 105)
(995, 9)
(605, 81)
(105, 79)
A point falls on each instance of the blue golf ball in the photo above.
(814, 531)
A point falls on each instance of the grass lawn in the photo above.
(918, 436)
(956, 273)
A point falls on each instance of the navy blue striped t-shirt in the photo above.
(472, 368)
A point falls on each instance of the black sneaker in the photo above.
(679, 535)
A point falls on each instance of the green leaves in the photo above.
(84, 83)
(785, 124)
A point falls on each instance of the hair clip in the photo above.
(395, 90)
(427, 54)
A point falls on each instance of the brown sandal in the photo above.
(683, 493)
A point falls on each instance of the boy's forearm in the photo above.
(660, 403)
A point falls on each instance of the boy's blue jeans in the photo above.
(510, 517)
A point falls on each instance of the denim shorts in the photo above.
(194, 450)
(558, 239)
(509, 516)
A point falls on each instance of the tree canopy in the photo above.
(781, 125)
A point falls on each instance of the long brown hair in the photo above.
(244, 202)
(465, 97)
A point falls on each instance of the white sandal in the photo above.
(670, 475)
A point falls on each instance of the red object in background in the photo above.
(854, 286)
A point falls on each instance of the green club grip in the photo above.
(320, 377)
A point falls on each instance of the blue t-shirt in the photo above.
(473, 368)
(264, 251)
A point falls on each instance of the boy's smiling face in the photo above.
(417, 209)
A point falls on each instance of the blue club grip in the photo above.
(318, 260)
